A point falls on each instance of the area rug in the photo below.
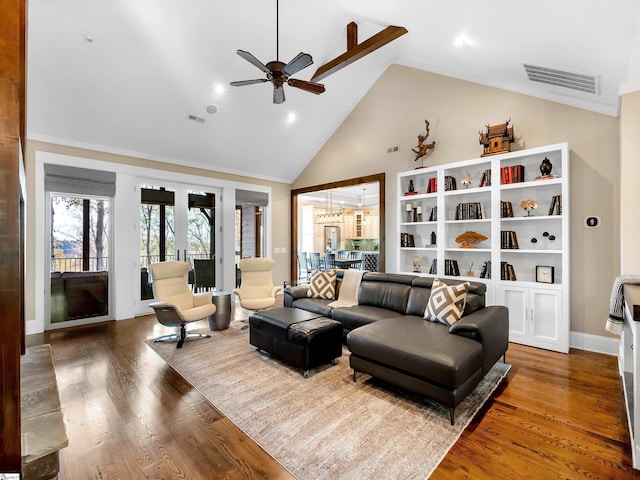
(325, 426)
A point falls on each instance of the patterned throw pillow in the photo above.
(323, 285)
(446, 303)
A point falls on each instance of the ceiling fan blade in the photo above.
(242, 83)
(253, 60)
(302, 60)
(312, 87)
(278, 94)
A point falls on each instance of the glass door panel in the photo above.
(79, 258)
(201, 220)
(157, 232)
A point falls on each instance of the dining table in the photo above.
(345, 262)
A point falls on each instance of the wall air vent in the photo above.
(560, 78)
(196, 119)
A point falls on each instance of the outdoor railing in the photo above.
(76, 264)
(98, 264)
(146, 261)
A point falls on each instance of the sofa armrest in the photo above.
(490, 327)
(292, 293)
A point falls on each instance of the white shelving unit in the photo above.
(538, 312)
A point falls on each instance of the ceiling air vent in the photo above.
(196, 119)
(561, 78)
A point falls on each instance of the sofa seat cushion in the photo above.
(359, 315)
(313, 305)
(423, 349)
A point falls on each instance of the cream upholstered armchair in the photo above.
(256, 285)
(175, 304)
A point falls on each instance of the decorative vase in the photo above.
(546, 166)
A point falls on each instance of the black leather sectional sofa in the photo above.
(389, 339)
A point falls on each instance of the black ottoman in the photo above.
(300, 338)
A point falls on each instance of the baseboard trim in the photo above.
(595, 343)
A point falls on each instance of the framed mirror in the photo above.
(345, 218)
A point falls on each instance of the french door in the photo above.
(177, 222)
(79, 246)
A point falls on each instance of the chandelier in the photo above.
(329, 216)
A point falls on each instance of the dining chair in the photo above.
(329, 261)
(314, 260)
(204, 274)
(304, 271)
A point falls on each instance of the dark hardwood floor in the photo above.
(130, 416)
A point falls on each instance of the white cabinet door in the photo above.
(516, 299)
(358, 226)
(348, 227)
(372, 226)
(546, 312)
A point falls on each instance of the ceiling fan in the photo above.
(279, 73)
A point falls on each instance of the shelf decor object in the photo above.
(513, 246)
(466, 180)
(470, 239)
(544, 274)
(528, 206)
(545, 170)
(497, 139)
(417, 263)
(423, 148)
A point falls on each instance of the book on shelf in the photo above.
(485, 180)
(508, 240)
(469, 211)
(486, 270)
(408, 194)
(449, 183)
(512, 174)
(451, 268)
(432, 185)
(433, 216)
(556, 205)
(407, 240)
(507, 271)
(434, 267)
(506, 209)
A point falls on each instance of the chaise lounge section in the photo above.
(389, 339)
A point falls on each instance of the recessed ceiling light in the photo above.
(211, 109)
(219, 88)
(462, 41)
(292, 118)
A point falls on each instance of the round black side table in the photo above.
(222, 318)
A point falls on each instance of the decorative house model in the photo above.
(497, 139)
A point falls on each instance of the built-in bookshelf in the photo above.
(524, 260)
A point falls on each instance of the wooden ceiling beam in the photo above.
(356, 51)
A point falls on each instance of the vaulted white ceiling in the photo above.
(152, 63)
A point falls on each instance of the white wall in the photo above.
(629, 183)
